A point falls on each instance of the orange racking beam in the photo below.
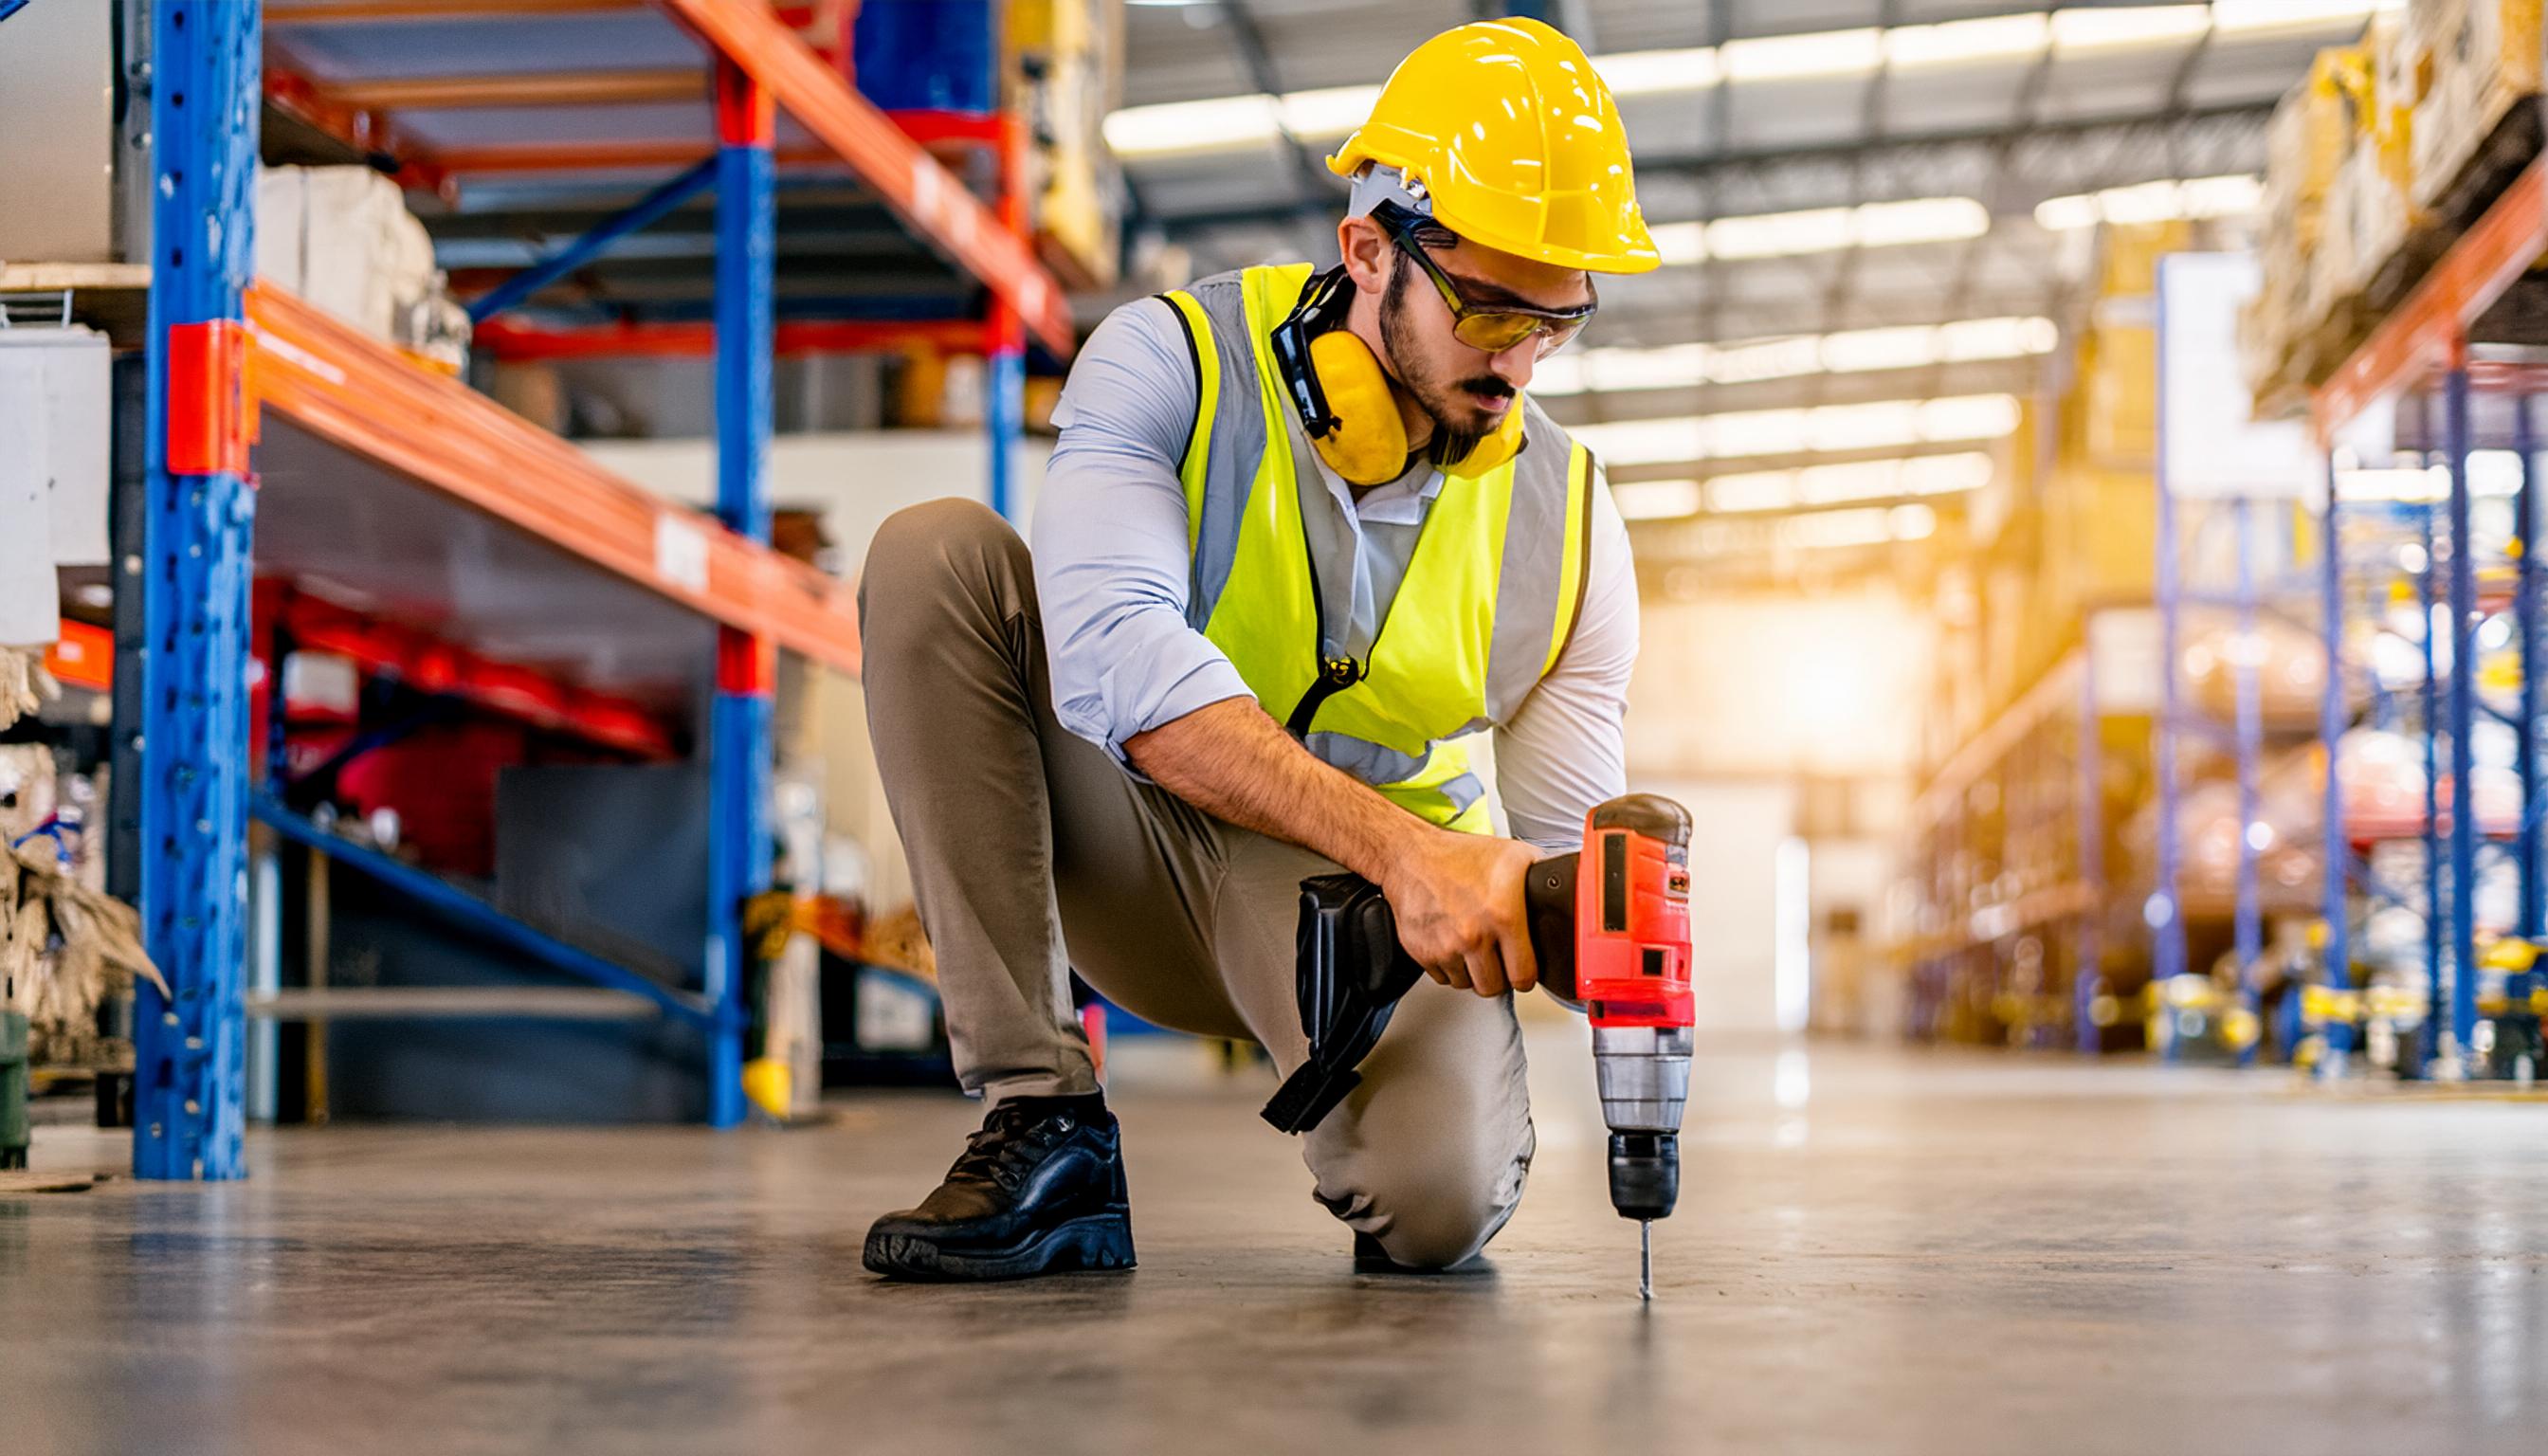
(349, 12)
(534, 88)
(516, 342)
(596, 157)
(2432, 326)
(354, 391)
(898, 169)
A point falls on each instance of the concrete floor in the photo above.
(1877, 1251)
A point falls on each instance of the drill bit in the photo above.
(1646, 1258)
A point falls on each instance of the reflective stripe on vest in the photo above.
(1484, 611)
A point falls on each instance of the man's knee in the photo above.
(935, 552)
(1435, 1207)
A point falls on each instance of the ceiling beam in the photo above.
(2055, 157)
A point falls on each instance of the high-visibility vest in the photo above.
(1488, 600)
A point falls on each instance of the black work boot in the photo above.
(1040, 1190)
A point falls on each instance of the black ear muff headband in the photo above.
(1345, 400)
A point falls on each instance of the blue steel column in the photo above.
(2525, 614)
(2463, 714)
(189, 1094)
(2334, 846)
(2089, 951)
(2248, 926)
(2428, 700)
(739, 728)
(2166, 922)
(1004, 344)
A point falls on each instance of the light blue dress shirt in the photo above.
(1112, 572)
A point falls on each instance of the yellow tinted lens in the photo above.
(1557, 336)
(1496, 333)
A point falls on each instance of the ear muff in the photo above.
(1367, 442)
(1344, 397)
(1497, 448)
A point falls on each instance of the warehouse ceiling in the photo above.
(1877, 214)
(1831, 179)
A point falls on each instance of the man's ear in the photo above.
(1366, 252)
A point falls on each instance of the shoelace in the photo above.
(1009, 1144)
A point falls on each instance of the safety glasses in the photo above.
(1490, 328)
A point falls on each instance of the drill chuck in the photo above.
(1645, 1175)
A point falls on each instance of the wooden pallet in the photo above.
(52, 1180)
(2512, 143)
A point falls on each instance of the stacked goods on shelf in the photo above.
(2372, 217)
(2307, 142)
(1069, 65)
(2290, 674)
(342, 239)
(2478, 65)
(2015, 938)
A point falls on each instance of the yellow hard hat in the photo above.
(1517, 143)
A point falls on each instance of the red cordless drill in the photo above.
(1610, 926)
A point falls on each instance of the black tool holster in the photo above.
(1352, 973)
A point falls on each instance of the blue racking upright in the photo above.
(2266, 575)
(2418, 361)
(237, 372)
(190, 1051)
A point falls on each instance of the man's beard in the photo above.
(1455, 429)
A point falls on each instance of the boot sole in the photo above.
(1098, 1242)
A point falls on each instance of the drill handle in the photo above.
(1548, 898)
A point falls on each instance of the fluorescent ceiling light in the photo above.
(1817, 54)
(1965, 41)
(1681, 242)
(2248, 17)
(1823, 229)
(1737, 434)
(1685, 366)
(2078, 28)
(1885, 480)
(1332, 112)
(1871, 527)
(1751, 491)
(1656, 499)
(1829, 229)
(1830, 529)
(1780, 235)
(2221, 196)
(1216, 125)
(1919, 219)
(2154, 201)
(1648, 72)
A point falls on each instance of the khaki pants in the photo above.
(1032, 855)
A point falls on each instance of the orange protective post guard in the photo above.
(211, 418)
(747, 113)
(84, 658)
(746, 665)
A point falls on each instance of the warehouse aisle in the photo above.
(1877, 1249)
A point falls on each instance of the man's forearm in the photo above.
(1235, 762)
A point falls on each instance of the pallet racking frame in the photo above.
(223, 352)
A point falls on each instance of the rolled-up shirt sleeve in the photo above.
(1565, 749)
(1111, 560)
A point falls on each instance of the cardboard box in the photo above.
(2476, 61)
